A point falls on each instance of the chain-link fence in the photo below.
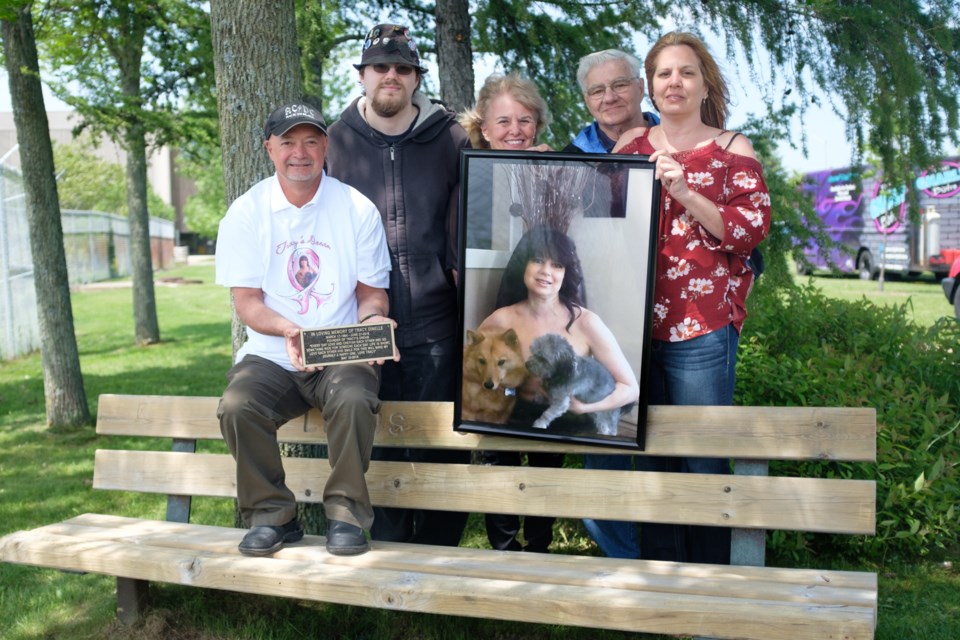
(20, 333)
(96, 246)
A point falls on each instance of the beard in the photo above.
(387, 107)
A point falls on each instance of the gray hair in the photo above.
(591, 60)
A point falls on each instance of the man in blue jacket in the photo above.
(612, 85)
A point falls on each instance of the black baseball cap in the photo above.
(290, 115)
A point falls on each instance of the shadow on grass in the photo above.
(213, 336)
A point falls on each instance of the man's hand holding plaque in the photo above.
(371, 341)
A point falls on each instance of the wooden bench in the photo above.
(742, 601)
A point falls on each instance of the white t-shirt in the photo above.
(307, 260)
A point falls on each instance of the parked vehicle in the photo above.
(951, 287)
(872, 222)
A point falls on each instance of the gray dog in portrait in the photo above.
(566, 375)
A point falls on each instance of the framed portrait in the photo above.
(557, 257)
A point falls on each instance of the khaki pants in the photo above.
(260, 397)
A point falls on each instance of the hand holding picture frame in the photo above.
(557, 257)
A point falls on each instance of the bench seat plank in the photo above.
(795, 585)
(800, 504)
(651, 596)
(776, 433)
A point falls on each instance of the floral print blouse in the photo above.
(702, 281)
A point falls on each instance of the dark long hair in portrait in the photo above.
(543, 242)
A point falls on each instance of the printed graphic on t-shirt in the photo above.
(304, 271)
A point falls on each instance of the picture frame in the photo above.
(561, 245)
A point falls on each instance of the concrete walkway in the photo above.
(159, 279)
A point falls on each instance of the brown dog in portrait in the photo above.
(493, 368)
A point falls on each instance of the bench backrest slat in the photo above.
(775, 433)
(803, 504)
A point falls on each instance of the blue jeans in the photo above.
(701, 371)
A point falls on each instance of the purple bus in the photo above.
(872, 222)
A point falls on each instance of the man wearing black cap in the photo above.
(402, 150)
(300, 219)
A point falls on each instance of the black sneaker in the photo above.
(345, 539)
(266, 539)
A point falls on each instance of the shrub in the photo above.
(802, 348)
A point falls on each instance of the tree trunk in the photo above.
(455, 53)
(146, 327)
(141, 258)
(257, 64)
(66, 401)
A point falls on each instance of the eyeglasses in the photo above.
(401, 69)
(619, 86)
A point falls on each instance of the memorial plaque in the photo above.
(347, 344)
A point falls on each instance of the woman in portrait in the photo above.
(305, 274)
(542, 293)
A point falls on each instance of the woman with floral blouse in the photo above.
(715, 210)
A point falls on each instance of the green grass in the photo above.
(920, 601)
(45, 477)
(923, 295)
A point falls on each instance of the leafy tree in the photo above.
(66, 401)
(327, 33)
(137, 66)
(545, 41)
(88, 182)
(890, 68)
(795, 222)
(204, 209)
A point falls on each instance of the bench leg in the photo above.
(748, 547)
(131, 599)
(178, 507)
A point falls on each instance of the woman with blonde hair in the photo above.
(715, 210)
(509, 115)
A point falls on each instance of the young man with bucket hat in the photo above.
(402, 150)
